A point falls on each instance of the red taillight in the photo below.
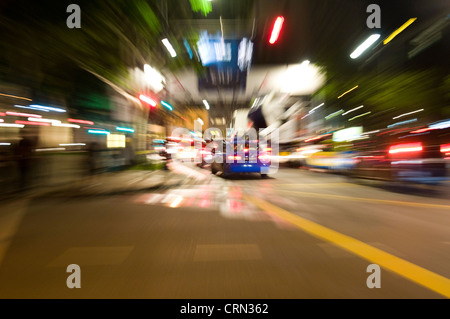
(406, 148)
(445, 148)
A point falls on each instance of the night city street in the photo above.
(197, 151)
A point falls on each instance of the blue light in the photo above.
(98, 132)
(47, 108)
(188, 48)
(400, 123)
(167, 105)
(31, 108)
(125, 129)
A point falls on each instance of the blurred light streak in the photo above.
(406, 148)
(43, 120)
(401, 115)
(422, 130)
(31, 108)
(445, 148)
(47, 108)
(2, 114)
(169, 47)
(316, 137)
(98, 132)
(23, 114)
(276, 30)
(329, 116)
(188, 48)
(73, 144)
(440, 125)
(147, 99)
(11, 125)
(32, 123)
(353, 88)
(400, 123)
(349, 111)
(5, 144)
(316, 108)
(50, 149)
(2, 120)
(65, 125)
(416, 134)
(396, 32)
(167, 105)
(355, 117)
(176, 201)
(364, 46)
(125, 129)
(371, 132)
(15, 97)
(80, 121)
(206, 104)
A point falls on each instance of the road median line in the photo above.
(364, 199)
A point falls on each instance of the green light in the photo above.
(334, 114)
(355, 117)
(204, 6)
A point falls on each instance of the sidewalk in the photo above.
(108, 183)
(114, 183)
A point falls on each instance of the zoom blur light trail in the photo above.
(276, 30)
(33, 123)
(396, 32)
(12, 125)
(169, 47)
(15, 97)
(147, 100)
(206, 104)
(23, 114)
(98, 132)
(353, 88)
(46, 108)
(167, 105)
(334, 114)
(80, 121)
(125, 129)
(364, 46)
(406, 148)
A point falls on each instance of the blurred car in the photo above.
(204, 154)
(242, 157)
(419, 156)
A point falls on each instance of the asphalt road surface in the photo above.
(296, 235)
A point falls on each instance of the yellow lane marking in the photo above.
(408, 270)
(363, 199)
